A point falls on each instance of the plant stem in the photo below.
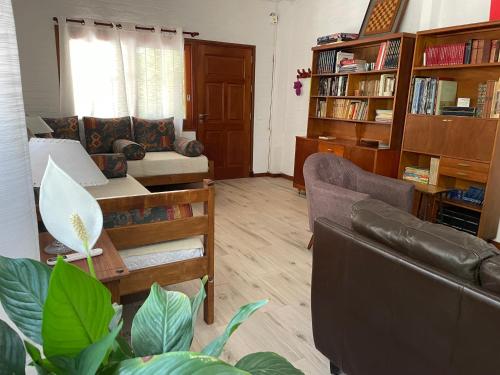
(90, 263)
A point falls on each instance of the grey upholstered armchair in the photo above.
(334, 184)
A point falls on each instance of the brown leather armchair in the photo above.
(400, 296)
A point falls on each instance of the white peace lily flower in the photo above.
(70, 214)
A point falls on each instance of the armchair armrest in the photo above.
(332, 202)
(395, 192)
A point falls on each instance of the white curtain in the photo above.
(18, 230)
(110, 72)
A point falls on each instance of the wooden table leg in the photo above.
(114, 288)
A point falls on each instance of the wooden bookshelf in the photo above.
(468, 147)
(349, 132)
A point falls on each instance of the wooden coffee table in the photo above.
(109, 266)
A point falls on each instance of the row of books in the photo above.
(428, 95)
(383, 115)
(388, 55)
(384, 86)
(350, 109)
(332, 86)
(474, 51)
(488, 100)
(427, 176)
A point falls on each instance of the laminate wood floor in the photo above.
(261, 235)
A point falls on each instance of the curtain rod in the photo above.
(193, 34)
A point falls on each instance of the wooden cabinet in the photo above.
(304, 147)
(468, 148)
(382, 162)
(350, 113)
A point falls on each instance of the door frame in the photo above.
(194, 43)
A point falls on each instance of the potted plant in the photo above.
(71, 326)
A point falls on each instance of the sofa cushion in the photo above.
(188, 147)
(162, 253)
(64, 127)
(489, 274)
(111, 165)
(155, 135)
(167, 163)
(442, 247)
(100, 133)
(131, 150)
(146, 216)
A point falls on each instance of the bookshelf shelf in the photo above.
(334, 95)
(458, 66)
(360, 97)
(468, 206)
(350, 120)
(370, 72)
(464, 150)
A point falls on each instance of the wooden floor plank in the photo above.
(261, 237)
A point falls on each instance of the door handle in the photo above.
(203, 116)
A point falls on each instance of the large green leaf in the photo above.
(216, 346)
(12, 353)
(162, 322)
(90, 359)
(178, 363)
(77, 312)
(267, 364)
(23, 290)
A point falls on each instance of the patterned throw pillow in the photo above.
(188, 147)
(64, 127)
(155, 135)
(131, 150)
(100, 133)
(111, 165)
(148, 215)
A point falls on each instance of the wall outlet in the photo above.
(274, 18)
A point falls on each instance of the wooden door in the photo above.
(224, 105)
(425, 134)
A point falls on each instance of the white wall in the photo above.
(300, 25)
(237, 21)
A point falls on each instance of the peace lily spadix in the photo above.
(70, 214)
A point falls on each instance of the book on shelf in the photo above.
(428, 95)
(473, 51)
(350, 109)
(321, 108)
(326, 62)
(434, 171)
(340, 57)
(332, 86)
(417, 174)
(388, 55)
(337, 37)
(387, 85)
(374, 143)
(495, 102)
(458, 111)
(383, 115)
(352, 66)
(488, 99)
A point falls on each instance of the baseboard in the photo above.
(273, 175)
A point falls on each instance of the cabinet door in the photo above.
(469, 138)
(362, 157)
(304, 147)
(425, 134)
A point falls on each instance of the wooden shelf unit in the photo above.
(348, 132)
(468, 147)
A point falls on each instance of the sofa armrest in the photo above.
(332, 202)
(395, 192)
(188, 147)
